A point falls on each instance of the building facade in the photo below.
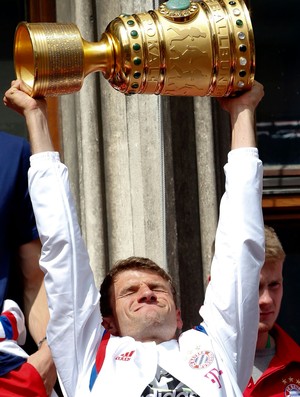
(146, 171)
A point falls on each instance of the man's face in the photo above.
(143, 307)
(270, 294)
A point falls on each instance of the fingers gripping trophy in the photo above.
(184, 48)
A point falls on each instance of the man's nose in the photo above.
(265, 297)
(146, 294)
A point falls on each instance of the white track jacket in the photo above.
(214, 363)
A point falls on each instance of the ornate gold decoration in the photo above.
(203, 48)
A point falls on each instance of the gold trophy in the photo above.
(203, 48)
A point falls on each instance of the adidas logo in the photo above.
(125, 356)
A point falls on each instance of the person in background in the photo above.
(276, 370)
(20, 249)
(133, 348)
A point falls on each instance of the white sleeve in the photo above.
(14, 326)
(72, 295)
(230, 309)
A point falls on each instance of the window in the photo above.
(275, 25)
(13, 12)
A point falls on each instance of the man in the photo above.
(20, 249)
(136, 350)
(276, 370)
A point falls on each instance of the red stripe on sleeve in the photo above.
(13, 322)
(102, 351)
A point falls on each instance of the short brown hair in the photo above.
(131, 263)
(273, 247)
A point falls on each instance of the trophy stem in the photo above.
(99, 57)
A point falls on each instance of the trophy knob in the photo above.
(177, 4)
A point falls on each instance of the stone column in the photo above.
(142, 168)
(115, 141)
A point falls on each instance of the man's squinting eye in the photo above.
(128, 291)
(160, 289)
(275, 285)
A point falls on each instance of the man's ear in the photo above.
(110, 325)
(179, 320)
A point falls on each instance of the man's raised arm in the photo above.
(35, 113)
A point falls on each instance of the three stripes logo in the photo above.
(125, 356)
